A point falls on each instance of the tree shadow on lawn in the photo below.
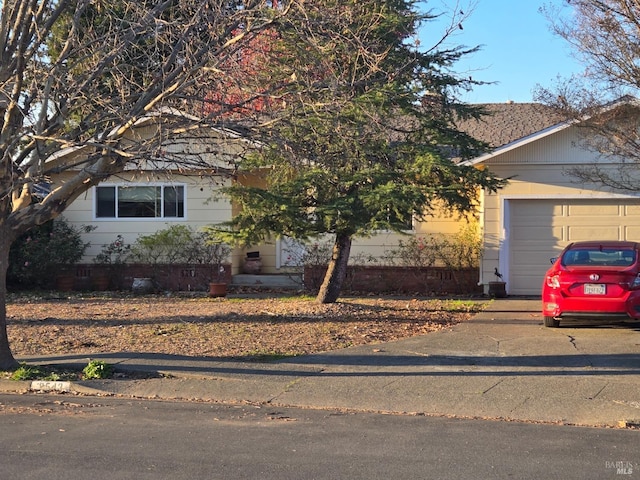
(354, 312)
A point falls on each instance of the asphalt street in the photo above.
(58, 437)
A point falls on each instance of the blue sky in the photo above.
(518, 49)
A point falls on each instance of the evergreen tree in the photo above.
(368, 136)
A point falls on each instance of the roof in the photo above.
(507, 122)
(58, 156)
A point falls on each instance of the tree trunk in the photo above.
(7, 362)
(336, 271)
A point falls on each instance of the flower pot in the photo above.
(497, 289)
(217, 289)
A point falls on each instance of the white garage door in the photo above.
(540, 229)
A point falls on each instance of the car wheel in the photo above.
(551, 322)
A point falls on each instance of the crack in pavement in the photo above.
(598, 392)
(494, 386)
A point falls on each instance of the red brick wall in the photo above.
(427, 281)
(431, 280)
(166, 277)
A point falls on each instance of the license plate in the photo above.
(595, 289)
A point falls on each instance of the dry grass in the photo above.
(240, 328)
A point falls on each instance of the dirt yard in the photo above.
(240, 328)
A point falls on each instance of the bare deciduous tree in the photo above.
(77, 79)
(605, 37)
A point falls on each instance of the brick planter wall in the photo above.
(372, 279)
(427, 281)
(166, 277)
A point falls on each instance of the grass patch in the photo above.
(458, 305)
(296, 298)
(27, 372)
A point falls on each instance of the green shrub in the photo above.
(177, 244)
(38, 254)
(97, 369)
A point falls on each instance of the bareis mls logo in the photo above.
(621, 468)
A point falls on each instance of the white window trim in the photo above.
(404, 230)
(138, 219)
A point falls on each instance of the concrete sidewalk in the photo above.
(501, 364)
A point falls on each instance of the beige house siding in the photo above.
(543, 208)
(200, 210)
(377, 245)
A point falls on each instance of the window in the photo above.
(622, 257)
(140, 201)
(405, 222)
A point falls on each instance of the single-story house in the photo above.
(158, 194)
(530, 220)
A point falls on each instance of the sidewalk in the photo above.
(501, 364)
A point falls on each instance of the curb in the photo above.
(47, 386)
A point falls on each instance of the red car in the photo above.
(593, 280)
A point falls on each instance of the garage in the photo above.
(538, 229)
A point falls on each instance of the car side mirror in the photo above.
(553, 259)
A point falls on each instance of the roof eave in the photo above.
(520, 142)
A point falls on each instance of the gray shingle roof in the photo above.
(508, 122)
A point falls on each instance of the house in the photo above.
(544, 207)
(530, 220)
(171, 185)
(159, 194)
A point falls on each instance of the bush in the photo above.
(180, 244)
(316, 254)
(462, 250)
(97, 369)
(114, 253)
(38, 254)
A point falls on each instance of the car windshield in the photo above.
(597, 256)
